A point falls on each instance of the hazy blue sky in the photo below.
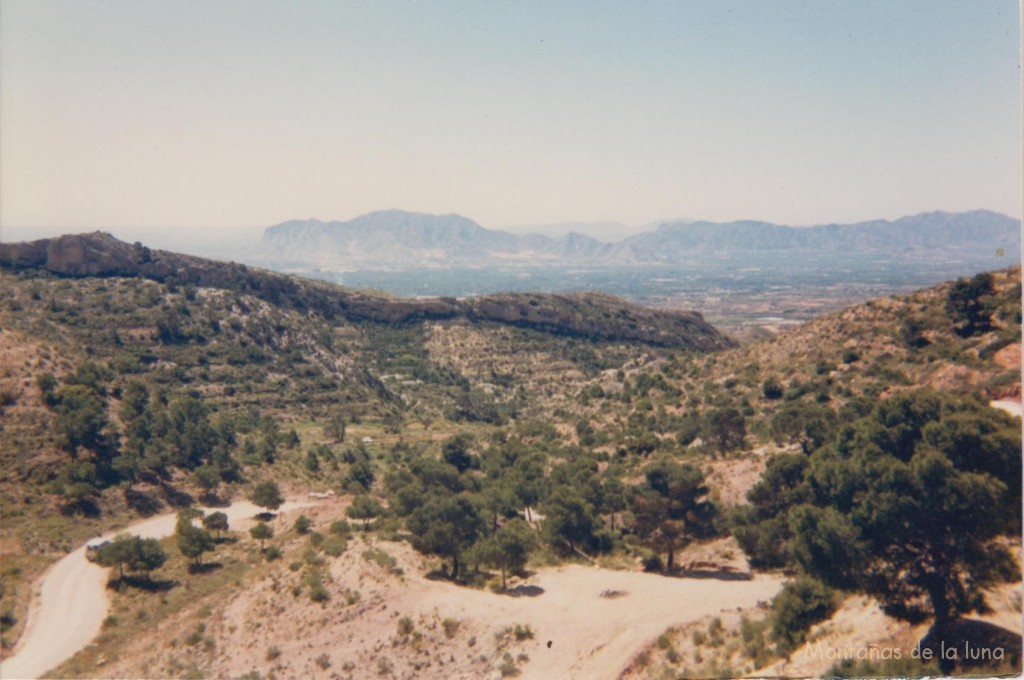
(241, 114)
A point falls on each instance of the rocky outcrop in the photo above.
(595, 316)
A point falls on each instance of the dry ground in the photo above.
(398, 620)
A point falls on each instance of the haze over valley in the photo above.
(738, 274)
(655, 341)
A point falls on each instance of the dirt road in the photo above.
(72, 601)
(1011, 406)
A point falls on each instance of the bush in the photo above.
(801, 604)
(302, 524)
(405, 626)
(340, 528)
(451, 626)
(318, 593)
(508, 668)
(772, 389)
(334, 546)
(522, 632)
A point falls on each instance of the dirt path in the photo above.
(72, 601)
(1011, 406)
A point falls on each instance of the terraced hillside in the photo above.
(553, 428)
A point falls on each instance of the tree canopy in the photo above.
(133, 552)
(446, 527)
(904, 505)
(193, 541)
(670, 507)
(267, 495)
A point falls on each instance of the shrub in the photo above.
(772, 389)
(340, 528)
(318, 593)
(405, 626)
(302, 524)
(508, 668)
(334, 546)
(801, 603)
(451, 626)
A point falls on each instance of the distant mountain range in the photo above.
(398, 239)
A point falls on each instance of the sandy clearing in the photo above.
(593, 636)
(72, 601)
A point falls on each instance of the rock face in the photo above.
(594, 316)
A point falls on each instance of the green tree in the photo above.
(613, 498)
(902, 511)
(808, 424)
(800, 604)
(81, 419)
(670, 508)
(365, 508)
(761, 527)
(47, 389)
(725, 427)
(360, 473)
(147, 556)
(303, 524)
(447, 527)
(267, 495)
(116, 553)
(508, 548)
(193, 541)
(497, 499)
(526, 479)
(134, 400)
(569, 519)
(772, 389)
(188, 432)
(455, 452)
(207, 477)
(336, 428)
(216, 521)
(78, 484)
(966, 304)
(133, 552)
(262, 532)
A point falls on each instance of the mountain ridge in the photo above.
(596, 316)
(396, 239)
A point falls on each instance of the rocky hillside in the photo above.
(584, 315)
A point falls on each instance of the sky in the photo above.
(205, 118)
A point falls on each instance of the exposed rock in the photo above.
(595, 316)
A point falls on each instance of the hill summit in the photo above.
(586, 315)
